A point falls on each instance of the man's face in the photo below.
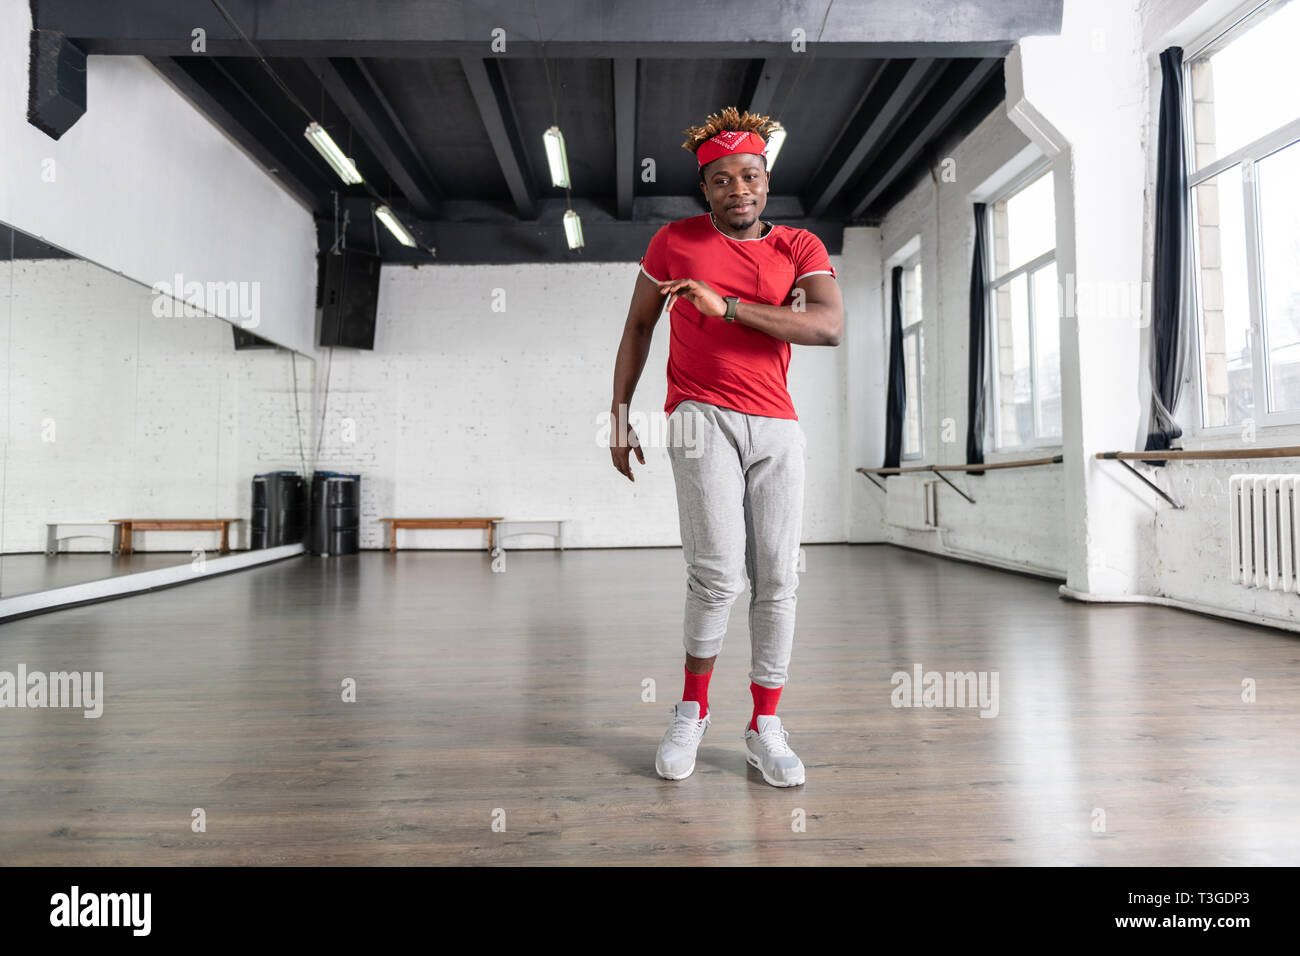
(736, 188)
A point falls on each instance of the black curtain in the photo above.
(1168, 351)
(977, 382)
(896, 390)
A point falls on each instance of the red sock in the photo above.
(765, 699)
(697, 689)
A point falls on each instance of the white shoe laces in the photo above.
(774, 741)
(684, 729)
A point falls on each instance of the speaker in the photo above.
(279, 509)
(349, 298)
(335, 514)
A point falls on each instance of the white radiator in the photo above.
(913, 504)
(1262, 530)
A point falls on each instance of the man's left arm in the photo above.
(816, 317)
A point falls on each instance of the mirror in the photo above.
(128, 410)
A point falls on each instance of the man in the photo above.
(740, 292)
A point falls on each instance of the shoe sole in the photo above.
(753, 762)
(670, 776)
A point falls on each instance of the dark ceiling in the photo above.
(448, 129)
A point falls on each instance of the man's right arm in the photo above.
(642, 316)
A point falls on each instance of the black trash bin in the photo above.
(335, 513)
(279, 509)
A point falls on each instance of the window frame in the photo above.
(1029, 269)
(916, 329)
(1246, 156)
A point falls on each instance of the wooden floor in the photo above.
(27, 573)
(522, 691)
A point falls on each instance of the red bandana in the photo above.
(728, 142)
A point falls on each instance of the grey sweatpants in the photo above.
(740, 485)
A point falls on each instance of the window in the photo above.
(913, 360)
(1244, 153)
(1024, 304)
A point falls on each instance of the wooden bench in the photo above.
(129, 525)
(439, 524)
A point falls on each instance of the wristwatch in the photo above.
(732, 301)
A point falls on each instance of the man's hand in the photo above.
(697, 293)
(621, 447)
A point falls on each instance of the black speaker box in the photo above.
(280, 505)
(335, 526)
(349, 299)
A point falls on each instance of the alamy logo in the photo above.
(102, 909)
(682, 429)
(56, 689)
(951, 689)
(190, 300)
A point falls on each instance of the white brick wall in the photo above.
(461, 410)
(151, 417)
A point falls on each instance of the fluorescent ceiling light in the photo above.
(553, 139)
(395, 227)
(573, 229)
(775, 140)
(326, 146)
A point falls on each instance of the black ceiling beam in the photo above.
(991, 96)
(399, 126)
(761, 86)
(571, 28)
(892, 92)
(625, 163)
(288, 141)
(350, 87)
(56, 83)
(479, 235)
(493, 99)
(210, 88)
(949, 97)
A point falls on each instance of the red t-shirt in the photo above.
(726, 363)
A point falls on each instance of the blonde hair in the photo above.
(729, 119)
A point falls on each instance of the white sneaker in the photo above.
(769, 752)
(676, 757)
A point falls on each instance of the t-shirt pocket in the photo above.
(774, 283)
